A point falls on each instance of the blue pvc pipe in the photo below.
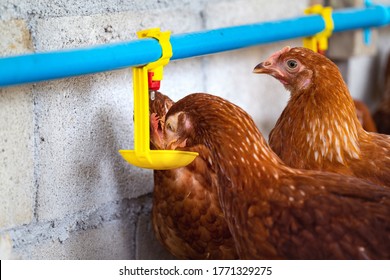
(350, 19)
(68, 63)
(231, 38)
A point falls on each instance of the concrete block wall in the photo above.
(66, 192)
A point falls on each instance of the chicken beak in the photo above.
(260, 68)
(265, 67)
(269, 67)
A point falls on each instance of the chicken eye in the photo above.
(292, 64)
(169, 126)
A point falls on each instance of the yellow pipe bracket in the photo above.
(166, 49)
(319, 42)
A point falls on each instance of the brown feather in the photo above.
(187, 217)
(319, 128)
(274, 211)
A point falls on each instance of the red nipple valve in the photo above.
(153, 85)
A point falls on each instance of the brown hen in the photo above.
(159, 105)
(382, 113)
(274, 211)
(187, 218)
(319, 128)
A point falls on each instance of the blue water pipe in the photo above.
(67, 63)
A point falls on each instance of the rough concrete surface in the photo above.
(16, 157)
(16, 135)
(66, 193)
(15, 37)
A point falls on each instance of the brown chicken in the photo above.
(364, 116)
(159, 105)
(382, 114)
(187, 217)
(319, 128)
(274, 211)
